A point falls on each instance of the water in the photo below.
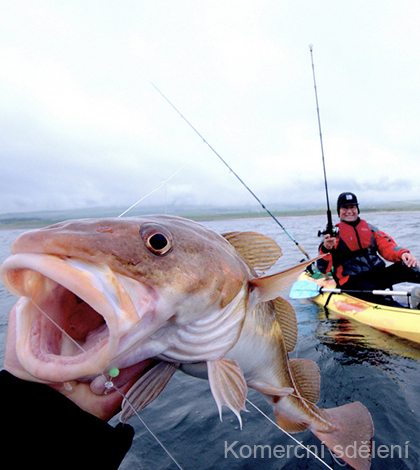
(356, 363)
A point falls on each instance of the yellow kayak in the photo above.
(402, 322)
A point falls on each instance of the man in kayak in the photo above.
(355, 255)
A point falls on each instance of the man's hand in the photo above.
(329, 242)
(409, 260)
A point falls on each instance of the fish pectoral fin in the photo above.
(228, 386)
(306, 376)
(259, 251)
(269, 287)
(147, 388)
(271, 390)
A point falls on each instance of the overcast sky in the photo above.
(81, 124)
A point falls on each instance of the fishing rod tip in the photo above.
(311, 47)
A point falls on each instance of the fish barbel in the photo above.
(123, 291)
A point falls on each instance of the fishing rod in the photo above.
(330, 229)
(233, 172)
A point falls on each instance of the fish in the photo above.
(103, 294)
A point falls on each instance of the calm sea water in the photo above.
(356, 363)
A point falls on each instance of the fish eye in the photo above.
(157, 239)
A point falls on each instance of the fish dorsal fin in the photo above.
(286, 316)
(307, 379)
(259, 251)
(228, 386)
(269, 287)
(147, 388)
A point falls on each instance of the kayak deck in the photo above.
(402, 322)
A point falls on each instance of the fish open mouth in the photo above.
(62, 324)
(68, 319)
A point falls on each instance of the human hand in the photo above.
(409, 260)
(329, 242)
(104, 406)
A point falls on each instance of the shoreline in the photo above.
(17, 221)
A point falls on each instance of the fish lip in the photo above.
(45, 281)
(42, 358)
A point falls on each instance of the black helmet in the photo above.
(347, 199)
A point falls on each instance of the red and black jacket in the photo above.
(356, 251)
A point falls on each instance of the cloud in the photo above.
(81, 124)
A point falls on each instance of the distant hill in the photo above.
(43, 218)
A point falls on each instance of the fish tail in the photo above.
(351, 437)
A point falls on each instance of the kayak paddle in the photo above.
(308, 289)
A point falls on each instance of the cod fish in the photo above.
(97, 294)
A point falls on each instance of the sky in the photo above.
(83, 126)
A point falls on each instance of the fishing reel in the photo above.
(333, 231)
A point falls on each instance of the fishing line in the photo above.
(289, 435)
(59, 327)
(147, 427)
(108, 385)
(233, 172)
(151, 192)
